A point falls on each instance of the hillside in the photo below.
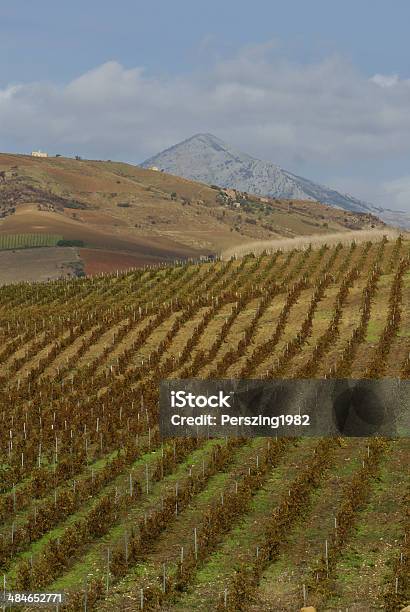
(208, 159)
(95, 504)
(128, 216)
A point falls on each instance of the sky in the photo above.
(320, 88)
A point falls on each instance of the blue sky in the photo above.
(54, 40)
(321, 88)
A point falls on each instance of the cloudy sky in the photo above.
(321, 88)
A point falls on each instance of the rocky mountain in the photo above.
(208, 159)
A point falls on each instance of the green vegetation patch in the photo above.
(26, 241)
(70, 243)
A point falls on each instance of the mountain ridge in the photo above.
(205, 158)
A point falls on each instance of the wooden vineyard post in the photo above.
(126, 547)
(4, 592)
(164, 577)
(85, 594)
(108, 570)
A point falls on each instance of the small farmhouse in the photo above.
(39, 154)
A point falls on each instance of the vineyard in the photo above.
(24, 241)
(93, 503)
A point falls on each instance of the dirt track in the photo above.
(287, 244)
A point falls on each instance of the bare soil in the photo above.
(39, 264)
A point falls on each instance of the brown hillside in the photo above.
(146, 215)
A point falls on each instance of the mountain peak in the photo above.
(206, 158)
(206, 136)
(198, 141)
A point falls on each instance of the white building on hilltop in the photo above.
(39, 154)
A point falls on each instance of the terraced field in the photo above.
(93, 503)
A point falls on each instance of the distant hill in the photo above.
(208, 159)
(127, 216)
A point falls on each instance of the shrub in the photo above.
(70, 243)
(74, 204)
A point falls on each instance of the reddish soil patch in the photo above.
(97, 261)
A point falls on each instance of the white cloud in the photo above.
(385, 80)
(324, 112)
(397, 193)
